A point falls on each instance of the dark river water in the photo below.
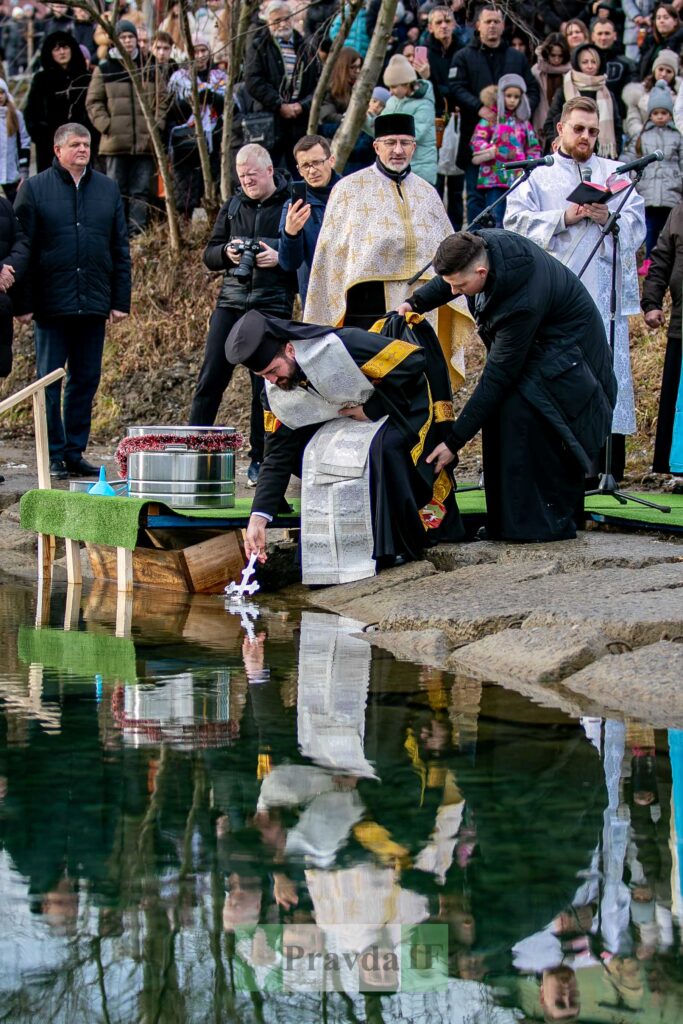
(196, 827)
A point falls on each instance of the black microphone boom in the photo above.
(543, 161)
(638, 165)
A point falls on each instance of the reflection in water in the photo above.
(198, 827)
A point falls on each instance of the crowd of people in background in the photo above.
(443, 61)
(482, 90)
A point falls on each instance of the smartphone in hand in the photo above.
(299, 191)
(421, 56)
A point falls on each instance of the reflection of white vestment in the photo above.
(536, 210)
(336, 513)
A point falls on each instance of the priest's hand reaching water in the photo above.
(255, 538)
(442, 456)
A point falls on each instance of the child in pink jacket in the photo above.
(509, 137)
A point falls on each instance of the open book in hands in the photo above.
(590, 192)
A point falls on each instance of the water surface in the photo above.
(198, 827)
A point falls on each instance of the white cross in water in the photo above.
(239, 590)
(248, 614)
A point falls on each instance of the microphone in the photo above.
(543, 161)
(638, 165)
(586, 173)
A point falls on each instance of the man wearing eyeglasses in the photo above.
(381, 228)
(539, 210)
(302, 218)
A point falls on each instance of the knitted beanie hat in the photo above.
(126, 26)
(660, 98)
(399, 71)
(667, 59)
(380, 93)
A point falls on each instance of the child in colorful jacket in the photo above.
(509, 137)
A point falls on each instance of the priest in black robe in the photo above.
(412, 507)
(545, 399)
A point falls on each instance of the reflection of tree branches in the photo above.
(168, 974)
(97, 956)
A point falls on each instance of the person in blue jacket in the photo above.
(301, 220)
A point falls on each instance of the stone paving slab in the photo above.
(544, 654)
(365, 599)
(593, 549)
(646, 684)
(635, 605)
(428, 646)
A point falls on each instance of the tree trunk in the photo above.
(209, 202)
(149, 115)
(350, 128)
(349, 15)
(237, 17)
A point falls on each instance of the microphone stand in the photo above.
(608, 485)
(484, 215)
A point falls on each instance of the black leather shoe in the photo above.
(58, 469)
(82, 468)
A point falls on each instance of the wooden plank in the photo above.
(73, 561)
(215, 562)
(31, 389)
(42, 446)
(153, 568)
(124, 570)
(45, 556)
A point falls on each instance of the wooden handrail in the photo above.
(31, 389)
(36, 392)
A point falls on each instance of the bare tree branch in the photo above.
(350, 128)
(150, 116)
(210, 201)
(349, 15)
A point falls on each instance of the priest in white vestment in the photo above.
(539, 210)
(382, 226)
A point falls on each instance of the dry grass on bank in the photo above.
(152, 360)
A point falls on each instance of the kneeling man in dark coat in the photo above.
(545, 399)
(354, 414)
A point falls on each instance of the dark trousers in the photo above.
(214, 377)
(77, 343)
(452, 185)
(133, 175)
(476, 198)
(655, 219)
(671, 376)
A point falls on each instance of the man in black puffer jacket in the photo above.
(483, 63)
(545, 399)
(252, 280)
(79, 277)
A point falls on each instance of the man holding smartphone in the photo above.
(302, 216)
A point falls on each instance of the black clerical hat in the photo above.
(394, 124)
(256, 339)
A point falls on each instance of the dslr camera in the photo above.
(248, 250)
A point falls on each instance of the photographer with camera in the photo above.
(244, 246)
